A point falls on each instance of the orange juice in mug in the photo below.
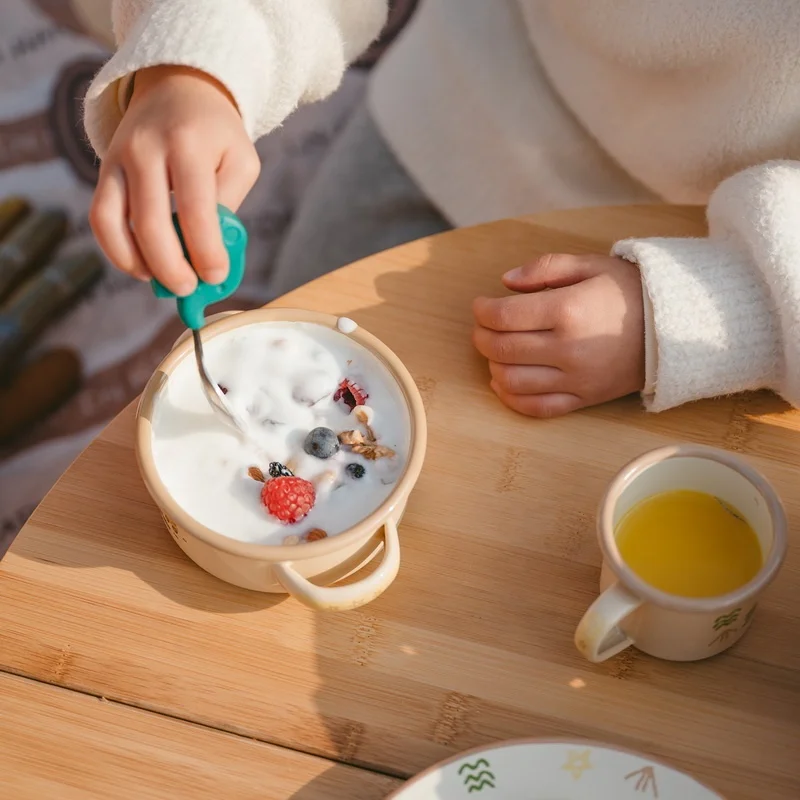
(689, 543)
(690, 537)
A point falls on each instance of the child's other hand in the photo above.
(578, 344)
(181, 132)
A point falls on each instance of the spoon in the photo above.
(213, 393)
(191, 309)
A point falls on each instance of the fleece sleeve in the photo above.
(271, 55)
(723, 313)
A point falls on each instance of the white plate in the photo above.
(552, 770)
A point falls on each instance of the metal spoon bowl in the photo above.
(213, 393)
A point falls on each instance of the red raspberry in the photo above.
(351, 394)
(288, 498)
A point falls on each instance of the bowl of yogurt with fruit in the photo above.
(315, 489)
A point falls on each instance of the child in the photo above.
(485, 110)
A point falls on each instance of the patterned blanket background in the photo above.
(48, 54)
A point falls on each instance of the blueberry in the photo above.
(355, 471)
(322, 443)
(277, 470)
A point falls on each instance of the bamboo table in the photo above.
(126, 671)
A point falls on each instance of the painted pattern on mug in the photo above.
(724, 624)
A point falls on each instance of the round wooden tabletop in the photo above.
(474, 641)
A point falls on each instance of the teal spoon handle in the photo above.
(191, 309)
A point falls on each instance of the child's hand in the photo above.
(181, 132)
(582, 343)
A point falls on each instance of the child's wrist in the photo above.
(149, 78)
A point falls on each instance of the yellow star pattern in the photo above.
(577, 762)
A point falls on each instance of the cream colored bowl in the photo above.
(291, 568)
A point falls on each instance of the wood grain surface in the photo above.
(473, 642)
(65, 745)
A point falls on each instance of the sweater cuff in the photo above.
(712, 331)
(179, 33)
(650, 345)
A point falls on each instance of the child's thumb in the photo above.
(551, 271)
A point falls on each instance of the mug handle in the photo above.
(353, 595)
(598, 635)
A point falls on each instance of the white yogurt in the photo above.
(283, 377)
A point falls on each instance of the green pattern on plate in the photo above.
(477, 776)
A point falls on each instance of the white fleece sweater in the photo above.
(506, 107)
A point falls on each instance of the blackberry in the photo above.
(355, 471)
(321, 443)
(277, 470)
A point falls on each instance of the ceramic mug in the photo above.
(630, 611)
(291, 568)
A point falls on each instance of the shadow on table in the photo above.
(337, 783)
(378, 709)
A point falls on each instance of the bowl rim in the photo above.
(280, 552)
(526, 740)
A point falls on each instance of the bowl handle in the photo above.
(353, 595)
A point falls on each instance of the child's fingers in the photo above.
(518, 379)
(237, 175)
(194, 185)
(551, 271)
(543, 406)
(151, 217)
(108, 218)
(530, 347)
(519, 313)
